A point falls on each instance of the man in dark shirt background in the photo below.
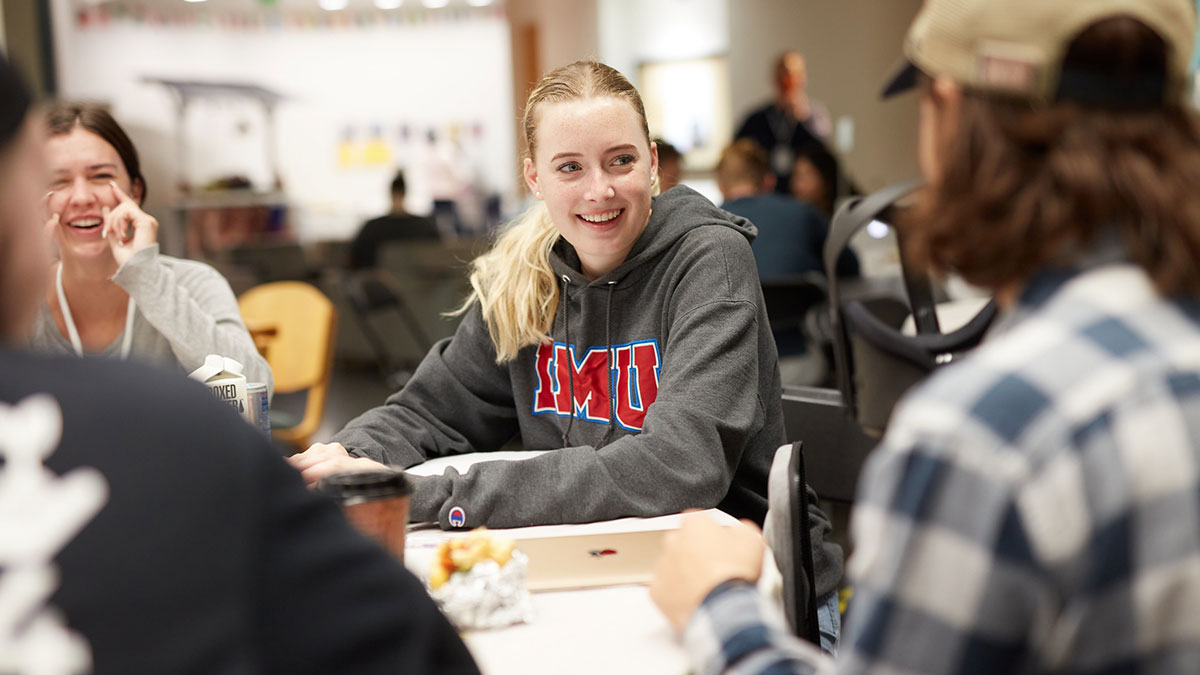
(791, 121)
(791, 233)
(395, 226)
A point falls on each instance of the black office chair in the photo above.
(368, 292)
(876, 362)
(800, 587)
(794, 307)
(790, 299)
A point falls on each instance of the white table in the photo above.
(601, 630)
(614, 629)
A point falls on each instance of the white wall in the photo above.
(636, 33)
(430, 75)
(566, 29)
(633, 32)
(850, 47)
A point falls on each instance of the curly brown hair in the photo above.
(1026, 186)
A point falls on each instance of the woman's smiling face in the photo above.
(82, 167)
(593, 166)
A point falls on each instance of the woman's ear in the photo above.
(137, 191)
(531, 178)
(653, 159)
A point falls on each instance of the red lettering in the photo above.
(636, 373)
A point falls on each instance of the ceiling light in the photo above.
(435, 4)
(332, 5)
(479, 3)
(388, 4)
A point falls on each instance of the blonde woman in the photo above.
(625, 332)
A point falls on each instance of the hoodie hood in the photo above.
(674, 213)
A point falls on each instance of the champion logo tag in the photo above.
(458, 517)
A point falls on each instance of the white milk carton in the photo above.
(223, 377)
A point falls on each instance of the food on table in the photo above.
(460, 554)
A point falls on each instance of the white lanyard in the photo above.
(126, 341)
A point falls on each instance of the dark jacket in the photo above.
(207, 553)
(364, 250)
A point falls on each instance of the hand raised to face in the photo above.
(127, 228)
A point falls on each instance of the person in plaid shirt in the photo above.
(1034, 507)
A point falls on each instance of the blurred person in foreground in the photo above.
(1034, 507)
(396, 225)
(113, 294)
(624, 334)
(145, 528)
(791, 121)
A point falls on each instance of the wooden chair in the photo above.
(293, 325)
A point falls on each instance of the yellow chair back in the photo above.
(293, 327)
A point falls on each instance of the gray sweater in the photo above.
(185, 311)
(692, 422)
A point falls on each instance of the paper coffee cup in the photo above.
(375, 502)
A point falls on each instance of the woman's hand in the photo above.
(50, 227)
(697, 558)
(323, 459)
(127, 227)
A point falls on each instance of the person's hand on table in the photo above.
(697, 558)
(323, 459)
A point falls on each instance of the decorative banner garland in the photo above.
(273, 18)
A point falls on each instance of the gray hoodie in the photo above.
(693, 421)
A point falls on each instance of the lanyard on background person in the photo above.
(73, 334)
(783, 131)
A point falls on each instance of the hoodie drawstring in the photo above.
(566, 281)
(608, 360)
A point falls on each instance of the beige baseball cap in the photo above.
(1017, 46)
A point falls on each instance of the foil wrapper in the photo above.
(487, 596)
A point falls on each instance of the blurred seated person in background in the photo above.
(791, 233)
(670, 165)
(154, 531)
(114, 295)
(791, 121)
(790, 244)
(399, 225)
(593, 281)
(1033, 507)
(817, 179)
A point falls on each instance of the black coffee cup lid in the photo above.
(365, 486)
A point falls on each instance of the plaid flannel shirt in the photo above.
(1033, 508)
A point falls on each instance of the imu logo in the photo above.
(633, 380)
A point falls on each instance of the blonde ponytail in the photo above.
(515, 285)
